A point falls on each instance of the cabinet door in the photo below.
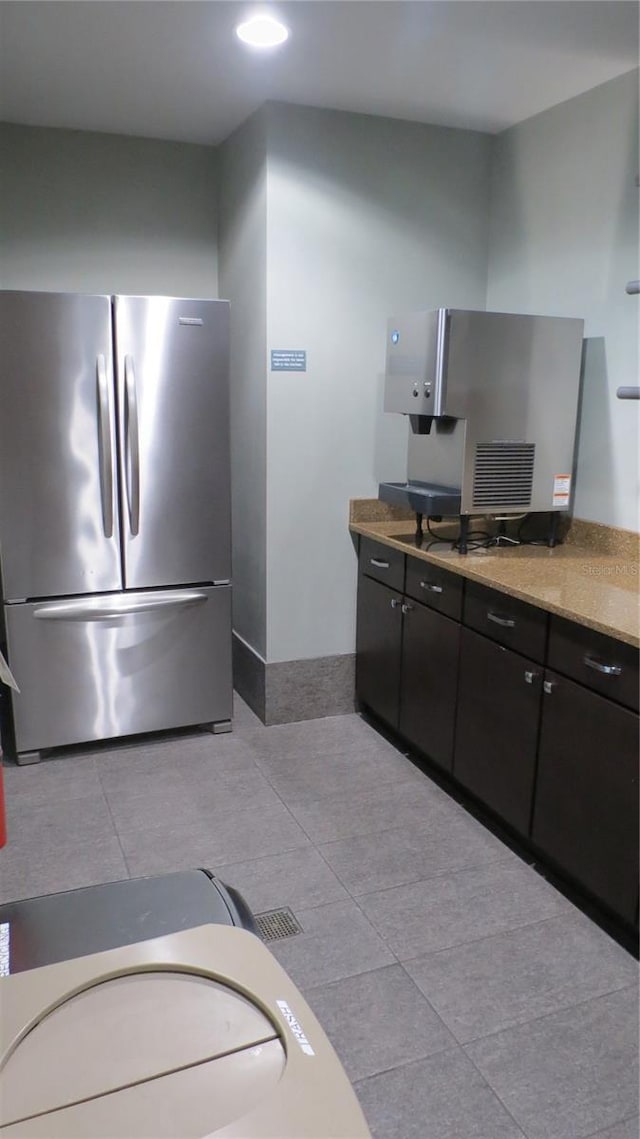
(586, 806)
(430, 649)
(497, 719)
(378, 647)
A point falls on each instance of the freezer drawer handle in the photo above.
(607, 669)
(116, 607)
(132, 445)
(505, 622)
(105, 451)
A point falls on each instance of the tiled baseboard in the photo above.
(292, 690)
(308, 689)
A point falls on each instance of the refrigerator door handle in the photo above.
(105, 449)
(132, 444)
(104, 609)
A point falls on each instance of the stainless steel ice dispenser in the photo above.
(493, 403)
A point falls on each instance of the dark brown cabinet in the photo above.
(458, 670)
(430, 648)
(407, 663)
(586, 809)
(378, 649)
(498, 714)
(434, 587)
(384, 563)
(514, 623)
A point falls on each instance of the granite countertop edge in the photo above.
(590, 572)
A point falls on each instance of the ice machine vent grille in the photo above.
(274, 925)
(503, 474)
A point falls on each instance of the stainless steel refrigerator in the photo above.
(114, 515)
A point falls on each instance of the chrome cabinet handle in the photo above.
(378, 563)
(431, 587)
(505, 622)
(132, 445)
(119, 606)
(549, 686)
(530, 676)
(394, 603)
(105, 452)
(407, 608)
(606, 669)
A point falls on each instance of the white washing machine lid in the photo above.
(197, 1033)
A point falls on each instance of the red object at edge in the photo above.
(3, 824)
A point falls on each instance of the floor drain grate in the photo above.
(274, 925)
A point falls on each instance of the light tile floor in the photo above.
(467, 998)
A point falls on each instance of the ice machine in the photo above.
(492, 399)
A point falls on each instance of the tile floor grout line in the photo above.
(377, 932)
(538, 1016)
(296, 820)
(362, 973)
(346, 838)
(454, 944)
(380, 781)
(546, 1015)
(473, 940)
(416, 827)
(115, 829)
(402, 961)
(431, 1006)
(225, 812)
(451, 1047)
(334, 872)
(499, 1098)
(505, 932)
(406, 1064)
(399, 1067)
(425, 878)
(467, 870)
(618, 1123)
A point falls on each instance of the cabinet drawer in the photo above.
(382, 563)
(505, 619)
(595, 660)
(434, 587)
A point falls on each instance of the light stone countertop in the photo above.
(591, 583)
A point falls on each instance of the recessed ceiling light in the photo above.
(262, 31)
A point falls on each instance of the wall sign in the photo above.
(288, 360)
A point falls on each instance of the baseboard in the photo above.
(287, 691)
(249, 675)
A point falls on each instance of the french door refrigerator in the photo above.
(114, 515)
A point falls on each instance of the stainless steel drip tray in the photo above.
(424, 498)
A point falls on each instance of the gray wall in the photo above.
(243, 281)
(365, 215)
(564, 241)
(327, 222)
(84, 212)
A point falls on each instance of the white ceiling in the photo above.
(175, 70)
